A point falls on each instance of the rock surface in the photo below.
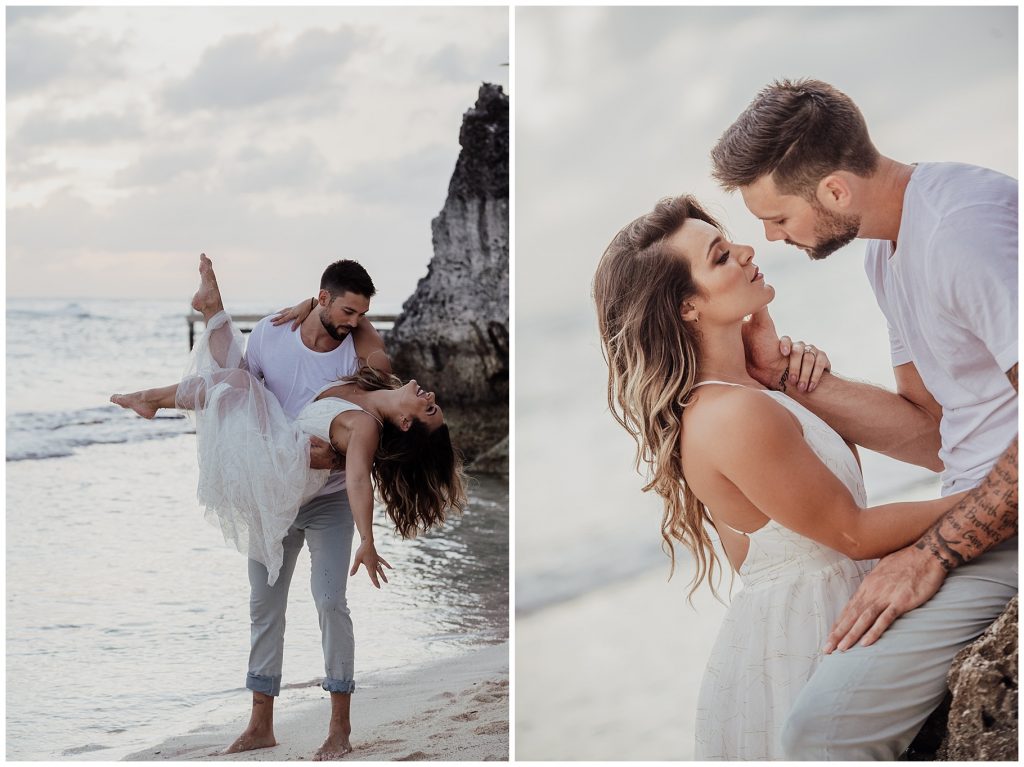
(978, 719)
(453, 332)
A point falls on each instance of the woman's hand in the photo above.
(807, 364)
(295, 314)
(367, 555)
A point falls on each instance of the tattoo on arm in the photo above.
(985, 517)
(782, 381)
(338, 462)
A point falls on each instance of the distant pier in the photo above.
(244, 322)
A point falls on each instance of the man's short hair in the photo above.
(799, 131)
(347, 276)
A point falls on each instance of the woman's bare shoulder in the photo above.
(722, 416)
(714, 408)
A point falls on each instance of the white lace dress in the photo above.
(771, 638)
(253, 459)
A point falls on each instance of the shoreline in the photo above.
(453, 710)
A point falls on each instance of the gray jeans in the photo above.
(869, 702)
(326, 523)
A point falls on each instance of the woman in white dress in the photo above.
(781, 489)
(254, 471)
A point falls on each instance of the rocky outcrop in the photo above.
(453, 332)
(978, 719)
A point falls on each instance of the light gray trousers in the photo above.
(869, 702)
(326, 523)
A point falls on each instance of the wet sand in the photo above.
(456, 710)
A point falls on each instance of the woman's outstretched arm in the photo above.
(362, 445)
(757, 445)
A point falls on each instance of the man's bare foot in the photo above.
(335, 747)
(136, 401)
(207, 299)
(250, 740)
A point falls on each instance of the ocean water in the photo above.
(127, 615)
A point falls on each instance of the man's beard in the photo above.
(334, 331)
(833, 231)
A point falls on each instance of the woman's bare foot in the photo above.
(137, 401)
(335, 747)
(207, 299)
(250, 740)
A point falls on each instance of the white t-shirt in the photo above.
(949, 293)
(295, 374)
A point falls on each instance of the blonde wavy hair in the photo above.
(653, 357)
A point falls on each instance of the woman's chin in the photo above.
(771, 294)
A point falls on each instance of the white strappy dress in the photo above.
(254, 469)
(771, 638)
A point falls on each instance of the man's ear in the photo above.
(324, 297)
(835, 192)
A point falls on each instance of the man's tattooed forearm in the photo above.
(941, 549)
(782, 381)
(985, 517)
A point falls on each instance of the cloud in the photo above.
(265, 252)
(43, 128)
(246, 71)
(253, 170)
(37, 58)
(26, 14)
(162, 165)
(459, 64)
(412, 178)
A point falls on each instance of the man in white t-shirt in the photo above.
(942, 260)
(295, 366)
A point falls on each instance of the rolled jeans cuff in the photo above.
(339, 685)
(268, 685)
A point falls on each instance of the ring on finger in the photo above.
(810, 349)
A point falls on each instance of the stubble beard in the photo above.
(833, 231)
(334, 331)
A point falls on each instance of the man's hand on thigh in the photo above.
(900, 582)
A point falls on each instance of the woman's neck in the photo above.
(383, 403)
(722, 357)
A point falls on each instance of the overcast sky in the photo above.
(616, 107)
(274, 139)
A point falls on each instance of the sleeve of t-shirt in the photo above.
(897, 349)
(973, 268)
(875, 257)
(252, 358)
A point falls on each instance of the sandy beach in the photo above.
(456, 710)
(617, 669)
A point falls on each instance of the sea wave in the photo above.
(54, 434)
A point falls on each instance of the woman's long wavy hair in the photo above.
(653, 356)
(418, 473)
